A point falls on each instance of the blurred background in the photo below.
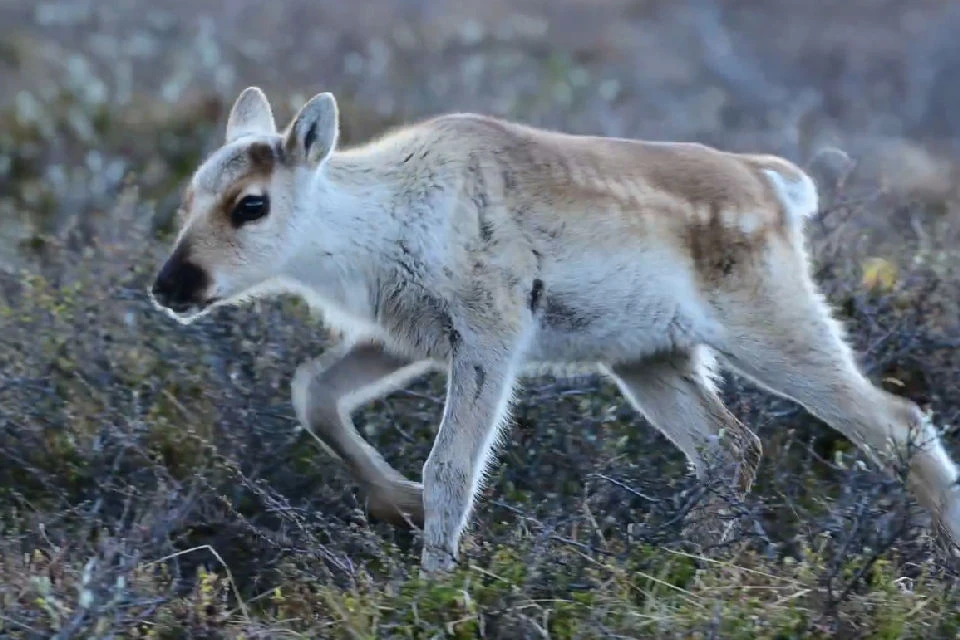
(152, 479)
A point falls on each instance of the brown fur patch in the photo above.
(645, 179)
(720, 254)
(263, 157)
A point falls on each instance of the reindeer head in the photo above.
(242, 219)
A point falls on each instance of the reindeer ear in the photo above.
(250, 115)
(312, 135)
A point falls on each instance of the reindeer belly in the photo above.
(616, 312)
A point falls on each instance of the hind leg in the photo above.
(676, 393)
(784, 338)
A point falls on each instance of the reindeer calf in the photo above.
(492, 250)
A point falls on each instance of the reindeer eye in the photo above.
(250, 208)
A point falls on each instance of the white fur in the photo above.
(799, 196)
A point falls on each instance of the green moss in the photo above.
(178, 437)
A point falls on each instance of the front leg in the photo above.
(326, 391)
(479, 389)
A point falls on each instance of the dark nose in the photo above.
(179, 283)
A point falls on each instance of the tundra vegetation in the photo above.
(153, 482)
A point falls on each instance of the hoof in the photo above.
(437, 562)
(400, 505)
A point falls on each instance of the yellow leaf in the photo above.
(879, 274)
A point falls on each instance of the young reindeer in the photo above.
(493, 250)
